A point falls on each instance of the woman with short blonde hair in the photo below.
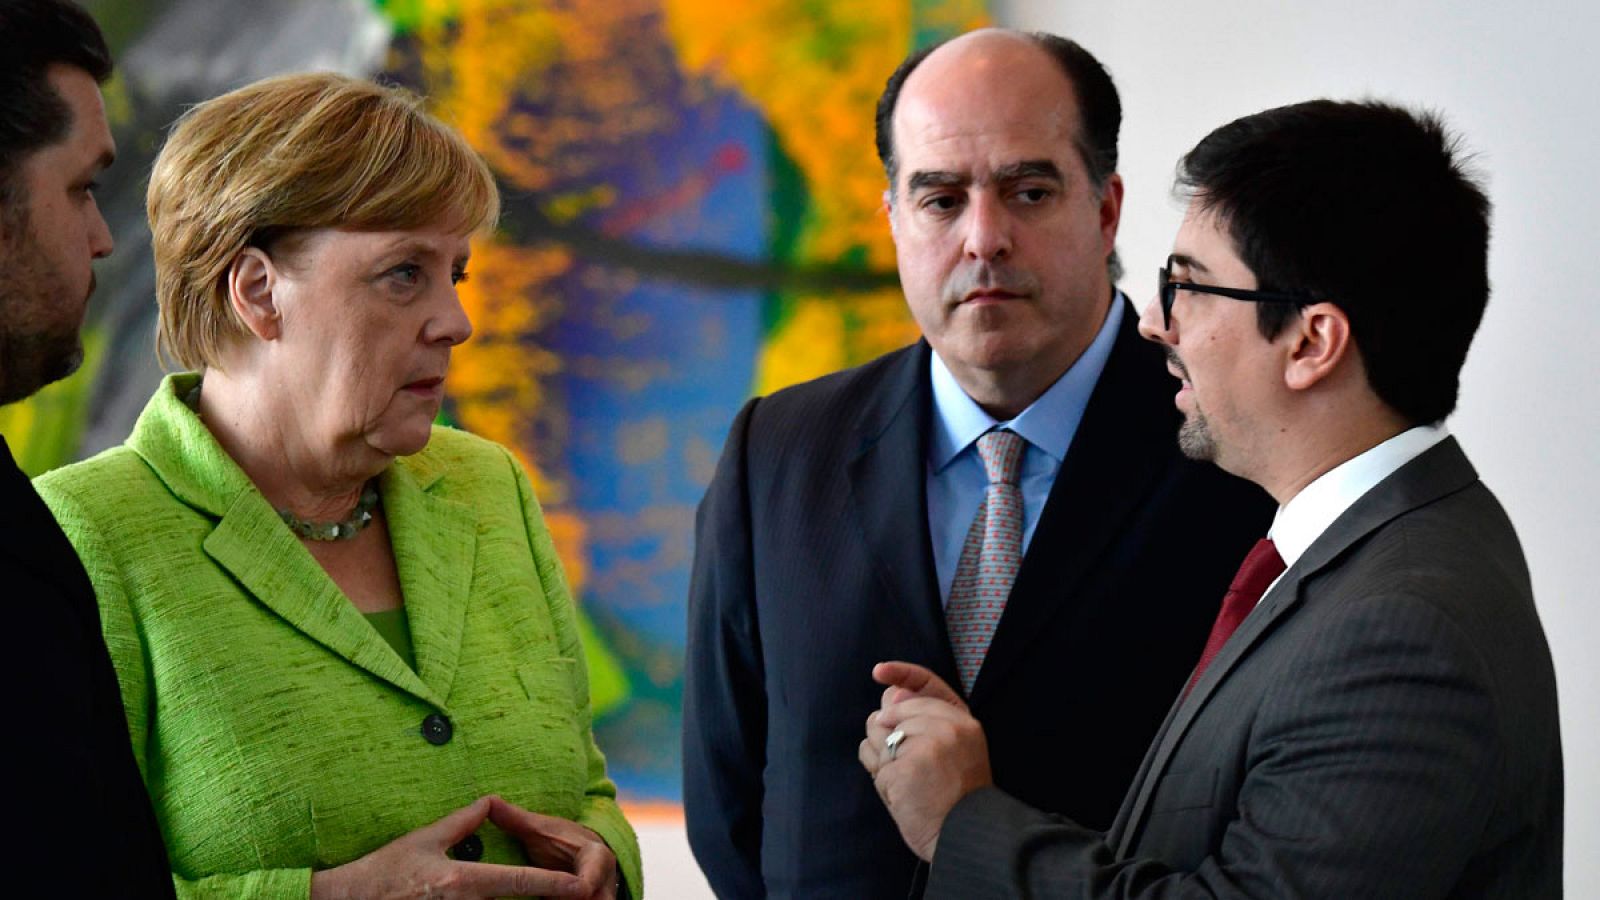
(291, 154)
(347, 652)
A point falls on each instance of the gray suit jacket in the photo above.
(1382, 725)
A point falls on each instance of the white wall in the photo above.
(1521, 82)
(670, 872)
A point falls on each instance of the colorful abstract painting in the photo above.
(693, 215)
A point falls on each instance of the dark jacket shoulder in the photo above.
(842, 402)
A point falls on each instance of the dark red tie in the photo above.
(1255, 576)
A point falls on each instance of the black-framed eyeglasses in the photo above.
(1168, 292)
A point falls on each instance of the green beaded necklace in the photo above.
(359, 518)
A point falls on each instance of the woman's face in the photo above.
(367, 323)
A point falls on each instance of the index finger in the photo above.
(916, 679)
(457, 825)
(526, 824)
(920, 708)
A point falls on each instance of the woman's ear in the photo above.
(251, 281)
(1320, 342)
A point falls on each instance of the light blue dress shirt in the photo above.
(956, 479)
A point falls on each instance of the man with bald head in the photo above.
(1002, 502)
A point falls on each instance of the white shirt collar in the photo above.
(1309, 513)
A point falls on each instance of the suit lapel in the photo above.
(1115, 455)
(887, 475)
(435, 543)
(251, 543)
(1441, 470)
(1121, 826)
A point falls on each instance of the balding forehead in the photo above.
(1001, 41)
(981, 91)
(983, 83)
(993, 60)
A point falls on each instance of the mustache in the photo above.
(990, 277)
(1172, 357)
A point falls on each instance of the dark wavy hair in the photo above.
(34, 35)
(1366, 205)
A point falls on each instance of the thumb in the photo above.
(453, 828)
(917, 680)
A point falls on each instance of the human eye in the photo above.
(939, 204)
(408, 274)
(1033, 195)
(459, 276)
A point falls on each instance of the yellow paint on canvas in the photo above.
(816, 70)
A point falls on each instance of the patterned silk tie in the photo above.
(1256, 574)
(990, 556)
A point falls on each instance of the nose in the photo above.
(988, 228)
(1150, 324)
(451, 325)
(100, 241)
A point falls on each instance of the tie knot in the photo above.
(1259, 568)
(1001, 451)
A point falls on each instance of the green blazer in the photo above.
(277, 731)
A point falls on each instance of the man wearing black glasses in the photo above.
(1375, 713)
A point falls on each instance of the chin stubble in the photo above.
(1194, 435)
(1194, 438)
(32, 356)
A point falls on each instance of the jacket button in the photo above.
(436, 729)
(469, 849)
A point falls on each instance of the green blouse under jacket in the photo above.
(277, 731)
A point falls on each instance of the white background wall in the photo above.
(1521, 82)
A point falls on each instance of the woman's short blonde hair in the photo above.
(287, 153)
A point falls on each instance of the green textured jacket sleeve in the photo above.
(602, 815)
(120, 628)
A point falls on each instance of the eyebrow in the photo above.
(99, 164)
(1017, 171)
(926, 179)
(1028, 168)
(1188, 262)
(410, 246)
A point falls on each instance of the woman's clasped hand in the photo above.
(567, 859)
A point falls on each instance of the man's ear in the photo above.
(251, 281)
(1110, 212)
(1319, 343)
